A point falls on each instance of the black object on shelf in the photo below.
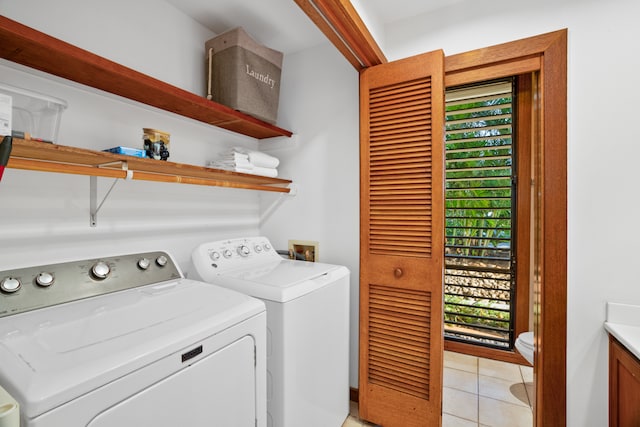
(5, 152)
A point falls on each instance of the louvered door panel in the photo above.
(402, 227)
(399, 339)
(400, 168)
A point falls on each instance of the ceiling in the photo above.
(388, 11)
(282, 25)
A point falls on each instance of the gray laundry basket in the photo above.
(243, 74)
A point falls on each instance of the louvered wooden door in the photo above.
(402, 228)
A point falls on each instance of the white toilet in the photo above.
(524, 345)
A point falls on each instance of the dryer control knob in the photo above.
(100, 270)
(44, 279)
(258, 248)
(10, 285)
(143, 263)
(162, 260)
(214, 256)
(244, 250)
(227, 253)
(267, 246)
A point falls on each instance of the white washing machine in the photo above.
(307, 327)
(127, 341)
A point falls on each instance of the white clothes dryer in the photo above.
(307, 326)
(128, 341)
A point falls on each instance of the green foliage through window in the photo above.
(479, 214)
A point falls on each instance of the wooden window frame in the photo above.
(523, 136)
(545, 55)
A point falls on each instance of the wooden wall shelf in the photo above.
(32, 48)
(45, 157)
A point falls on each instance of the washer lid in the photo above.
(53, 355)
(281, 280)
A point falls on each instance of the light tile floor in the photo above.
(479, 392)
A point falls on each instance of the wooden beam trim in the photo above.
(346, 21)
(317, 18)
(341, 27)
(340, 22)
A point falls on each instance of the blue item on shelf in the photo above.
(127, 151)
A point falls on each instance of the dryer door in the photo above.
(218, 390)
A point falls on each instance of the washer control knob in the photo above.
(267, 247)
(258, 248)
(162, 260)
(100, 270)
(10, 285)
(243, 250)
(214, 256)
(143, 263)
(44, 279)
(227, 253)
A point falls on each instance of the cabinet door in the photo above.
(624, 386)
(401, 235)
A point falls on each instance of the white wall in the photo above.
(321, 92)
(602, 163)
(44, 217)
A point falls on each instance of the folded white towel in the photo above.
(255, 170)
(243, 170)
(270, 172)
(241, 163)
(258, 158)
(235, 156)
(226, 164)
(263, 160)
(243, 160)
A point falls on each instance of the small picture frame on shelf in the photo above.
(303, 250)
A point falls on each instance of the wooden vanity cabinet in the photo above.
(624, 386)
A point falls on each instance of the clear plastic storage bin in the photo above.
(35, 114)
